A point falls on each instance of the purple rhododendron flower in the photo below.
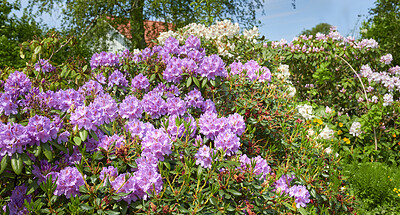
(208, 106)
(117, 78)
(108, 172)
(194, 99)
(154, 104)
(107, 141)
(68, 182)
(176, 106)
(204, 156)
(300, 194)
(13, 138)
(156, 143)
(261, 165)
(130, 108)
(8, 105)
(140, 82)
(17, 198)
(237, 124)
(91, 88)
(44, 66)
(38, 129)
(17, 84)
(192, 42)
(42, 171)
(283, 183)
(210, 125)
(212, 66)
(227, 141)
(104, 59)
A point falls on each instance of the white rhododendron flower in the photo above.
(355, 129)
(305, 111)
(326, 133)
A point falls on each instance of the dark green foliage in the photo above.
(14, 31)
(383, 26)
(320, 28)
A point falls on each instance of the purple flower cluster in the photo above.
(283, 183)
(106, 142)
(17, 198)
(42, 171)
(176, 106)
(228, 142)
(41, 130)
(13, 138)
(299, 192)
(137, 184)
(204, 156)
(156, 143)
(194, 99)
(210, 125)
(117, 78)
(130, 108)
(104, 59)
(236, 124)
(154, 105)
(91, 88)
(102, 110)
(261, 166)
(44, 66)
(17, 84)
(7, 104)
(385, 78)
(139, 129)
(212, 67)
(253, 71)
(68, 182)
(108, 172)
(140, 82)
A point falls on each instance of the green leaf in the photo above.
(4, 163)
(204, 83)
(189, 82)
(47, 151)
(302, 211)
(234, 192)
(86, 207)
(111, 212)
(196, 81)
(213, 201)
(83, 134)
(17, 164)
(77, 141)
(26, 159)
(94, 135)
(38, 49)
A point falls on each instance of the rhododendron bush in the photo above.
(170, 129)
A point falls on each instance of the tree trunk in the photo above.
(137, 25)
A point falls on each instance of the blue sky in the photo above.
(282, 21)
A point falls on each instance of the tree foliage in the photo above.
(383, 26)
(321, 28)
(81, 15)
(14, 31)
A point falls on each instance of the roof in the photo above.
(152, 30)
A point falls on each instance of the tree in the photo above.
(321, 28)
(383, 26)
(13, 32)
(79, 14)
